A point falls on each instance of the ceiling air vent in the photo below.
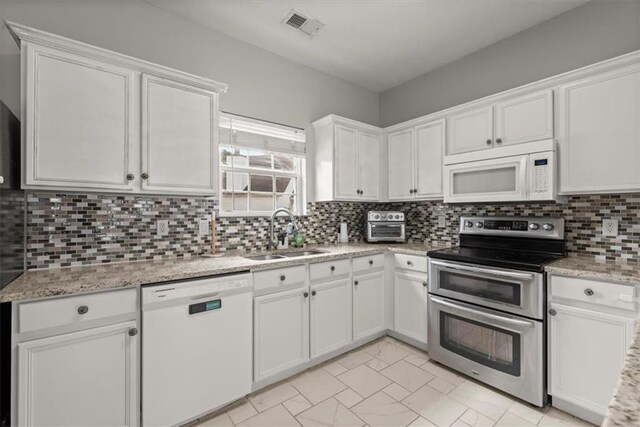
(300, 22)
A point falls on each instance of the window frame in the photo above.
(298, 174)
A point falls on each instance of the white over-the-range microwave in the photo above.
(518, 172)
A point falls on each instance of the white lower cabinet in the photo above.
(368, 304)
(330, 316)
(410, 305)
(587, 344)
(281, 332)
(81, 378)
(81, 368)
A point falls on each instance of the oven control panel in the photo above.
(540, 227)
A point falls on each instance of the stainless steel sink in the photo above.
(303, 253)
(265, 257)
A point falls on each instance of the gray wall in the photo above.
(262, 85)
(595, 31)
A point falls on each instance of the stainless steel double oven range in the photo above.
(487, 302)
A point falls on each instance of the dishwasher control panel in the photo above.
(216, 304)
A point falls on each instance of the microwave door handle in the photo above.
(484, 271)
(507, 320)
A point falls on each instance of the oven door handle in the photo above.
(484, 271)
(507, 320)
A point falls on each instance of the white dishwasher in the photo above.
(196, 347)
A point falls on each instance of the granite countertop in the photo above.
(624, 409)
(74, 280)
(598, 270)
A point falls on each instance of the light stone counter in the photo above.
(74, 280)
(590, 268)
(624, 409)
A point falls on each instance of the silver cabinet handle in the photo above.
(130, 177)
(552, 311)
(283, 277)
(306, 294)
(588, 292)
(313, 293)
(483, 314)
(488, 142)
(133, 332)
(83, 309)
(499, 140)
(145, 175)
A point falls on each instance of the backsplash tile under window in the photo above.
(78, 229)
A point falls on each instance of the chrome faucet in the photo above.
(274, 243)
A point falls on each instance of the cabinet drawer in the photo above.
(278, 277)
(329, 269)
(411, 262)
(64, 311)
(366, 263)
(592, 291)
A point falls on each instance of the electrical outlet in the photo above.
(442, 221)
(204, 227)
(162, 227)
(610, 227)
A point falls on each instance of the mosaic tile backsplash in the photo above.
(79, 229)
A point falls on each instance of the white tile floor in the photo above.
(385, 383)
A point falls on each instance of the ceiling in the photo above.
(377, 44)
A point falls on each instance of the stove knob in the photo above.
(547, 227)
(533, 226)
(397, 216)
(468, 224)
(479, 224)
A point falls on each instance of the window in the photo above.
(262, 167)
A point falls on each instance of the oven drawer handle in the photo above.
(484, 314)
(485, 271)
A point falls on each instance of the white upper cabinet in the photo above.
(401, 160)
(98, 120)
(78, 121)
(470, 131)
(347, 160)
(415, 162)
(178, 137)
(525, 118)
(599, 133)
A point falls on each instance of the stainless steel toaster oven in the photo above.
(385, 227)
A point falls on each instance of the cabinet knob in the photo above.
(333, 268)
(370, 262)
(306, 294)
(361, 192)
(144, 175)
(499, 141)
(83, 309)
(409, 263)
(283, 277)
(488, 142)
(133, 332)
(415, 190)
(424, 284)
(355, 283)
(411, 191)
(313, 293)
(552, 311)
(588, 292)
(130, 177)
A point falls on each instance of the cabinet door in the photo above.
(410, 306)
(80, 379)
(78, 122)
(281, 332)
(346, 163)
(599, 133)
(401, 165)
(369, 166)
(428, 159)
(179, 137)
(525, 119)
(331, 315)
(368, 304)
(470, 131)
(587, 351)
